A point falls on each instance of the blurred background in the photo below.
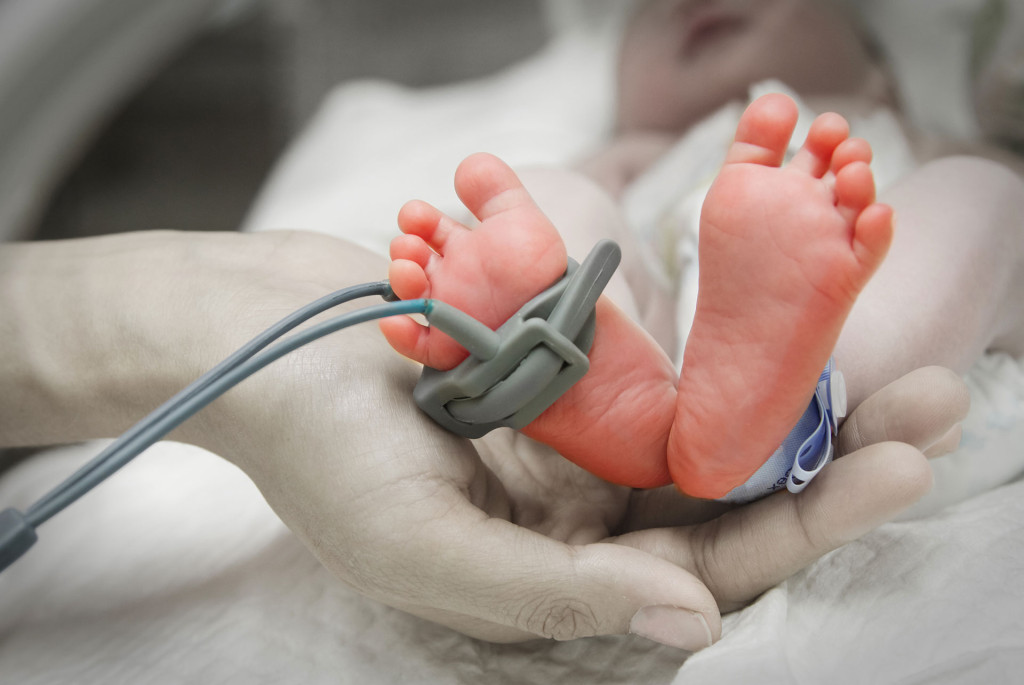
(119, 115)
(124, 114)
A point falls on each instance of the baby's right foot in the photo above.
(784, 252)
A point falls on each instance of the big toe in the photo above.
(764, 130)
(488, 187)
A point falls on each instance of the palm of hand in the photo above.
(504, 540)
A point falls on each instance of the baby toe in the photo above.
(826, 134)
(407, 337)
(872, 237)
(411, 248)
(408, 280)
(422, 219)
(849, 151)
(855, 190)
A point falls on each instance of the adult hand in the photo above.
(739, 553)
(500, 539)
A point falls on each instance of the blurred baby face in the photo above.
(682, 59)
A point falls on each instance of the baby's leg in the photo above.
(953, 283)
(784, 252)
(585, 213)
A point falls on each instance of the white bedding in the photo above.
(176, 571)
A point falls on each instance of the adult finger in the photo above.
(947, 443)
(750, 549)
(494, 580)
(920, 409)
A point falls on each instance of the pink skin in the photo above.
(598, 421)
(784, 252)
(486, 279)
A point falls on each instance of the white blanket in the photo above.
(176, 571)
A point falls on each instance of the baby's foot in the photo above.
(784, 251)
(489, 271)
(614, 422)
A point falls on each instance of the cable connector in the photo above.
(518, 371)
(16, 536)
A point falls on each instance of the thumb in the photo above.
(494, 580)
(748, 550)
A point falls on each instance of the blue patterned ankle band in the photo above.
(807, 448)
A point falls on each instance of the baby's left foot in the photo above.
(615, 421)
(489, 271)
(784, 252)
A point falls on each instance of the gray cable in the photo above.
(558, 323)
(380, 288)
(18, 530)
(171, 415)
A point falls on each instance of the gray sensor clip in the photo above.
(515, 373)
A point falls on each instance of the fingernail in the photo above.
(947, 444)
(672, 626)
